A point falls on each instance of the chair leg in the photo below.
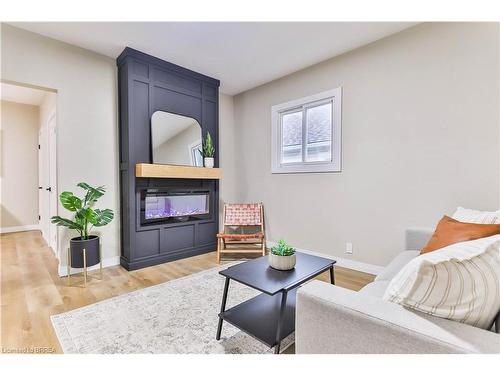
(218, 250)
(263, 247)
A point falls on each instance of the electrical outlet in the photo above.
(348, 248)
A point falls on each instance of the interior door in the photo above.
(52, 192)
(43, 178)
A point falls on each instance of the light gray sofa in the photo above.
(331, 319)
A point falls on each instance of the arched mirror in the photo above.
(175, 139)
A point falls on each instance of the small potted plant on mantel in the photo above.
(85, 219)
(282, 256)
(208, 151)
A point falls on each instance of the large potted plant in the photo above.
(84, 220)
(282, 256)
(208, 151)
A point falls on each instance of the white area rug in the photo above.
(179, 316)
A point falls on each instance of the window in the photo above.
(195, 152)
(307, 134)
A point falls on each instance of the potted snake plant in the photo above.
(282, 256)
(85, 218)
(208, 151)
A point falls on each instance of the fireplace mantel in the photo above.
(176, 171)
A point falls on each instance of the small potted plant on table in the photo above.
(85, 219)
(208, 151)
(282, 256)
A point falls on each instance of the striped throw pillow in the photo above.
(459, 282)
(467, 215)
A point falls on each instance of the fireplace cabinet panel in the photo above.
(178, 238)
(179, 82)
(148, 243)
(178, 103)
(205, 233)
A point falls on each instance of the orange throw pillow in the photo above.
(450, 231)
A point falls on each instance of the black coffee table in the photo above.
(269, 317)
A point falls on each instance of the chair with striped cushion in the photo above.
(237, 217)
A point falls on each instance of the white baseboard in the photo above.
(342, 262)
(107, 262)
(20, 228)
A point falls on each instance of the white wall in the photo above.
(227, 151)
(420, 137)
(87, 121)
(18, 166)
(47, 108)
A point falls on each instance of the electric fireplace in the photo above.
(157, 205)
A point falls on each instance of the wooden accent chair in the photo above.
(242, 215)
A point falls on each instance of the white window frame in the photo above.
(193, 149)
(335, 164)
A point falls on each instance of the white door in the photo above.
(52, 182)
(47, 178)
(43, 184)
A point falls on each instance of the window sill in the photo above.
(311, 168)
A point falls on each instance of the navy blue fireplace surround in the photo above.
(146, 85)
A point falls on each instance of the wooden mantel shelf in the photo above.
(176, 171)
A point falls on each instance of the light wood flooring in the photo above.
(31, 290)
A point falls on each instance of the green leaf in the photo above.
(90, 215)
(80, 218)
(93, 194)
(85, 214)
(208, 146)
(102, 217)
(282, 249)
(70, 202)
(61, 221)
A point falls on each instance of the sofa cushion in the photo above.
(375, 289)
(459, 282)
(450, 231)
(396, 264)
(467, 215)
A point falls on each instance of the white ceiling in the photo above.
(241, 55)
(21, 94)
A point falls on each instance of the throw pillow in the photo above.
(460, 282)
(467, 215)
(450, 231)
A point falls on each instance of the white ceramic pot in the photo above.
(282, 263)
(209, 162)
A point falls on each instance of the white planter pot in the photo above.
(209, 162)
(282, 263)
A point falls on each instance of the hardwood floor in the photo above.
(31, 290)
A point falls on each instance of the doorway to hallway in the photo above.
(29, 160)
